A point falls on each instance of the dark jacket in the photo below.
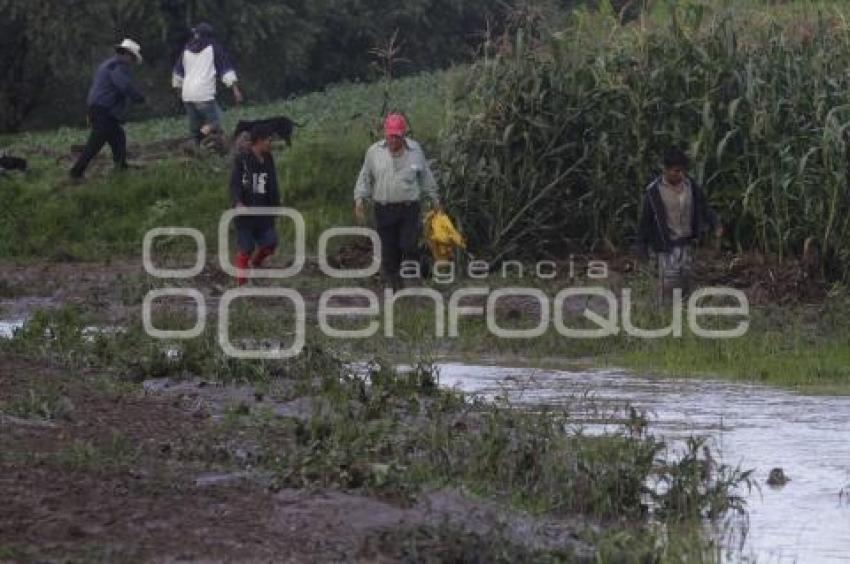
(254, 183)
(653, 232)
(112, 88)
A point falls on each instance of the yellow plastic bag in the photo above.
(441, 236)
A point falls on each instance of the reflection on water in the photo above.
(808, 520)
(9, 326)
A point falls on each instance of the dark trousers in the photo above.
(253, 232)
(398, 226)
(105, 128)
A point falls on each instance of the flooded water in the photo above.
(9, 326)
(807, 520)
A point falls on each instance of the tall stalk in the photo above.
(557, 134)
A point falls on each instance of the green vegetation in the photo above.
(795, 345)
(279, 47)
(117, 453)
(396, 435)
(530, 135)
(798, 346)
(557, 133)
(781, 348)
(543, 146)
(45, 403)
(108, 217)
(545, 142)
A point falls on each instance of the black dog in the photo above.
(12, 163)
(281, 126)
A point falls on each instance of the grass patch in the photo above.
(113, 455)
(46, 402)
(394, 433)
(109, 215)
(804, 347)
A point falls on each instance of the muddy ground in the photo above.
(95, 469)
(115, 289)
(98, 469)
(159, 472)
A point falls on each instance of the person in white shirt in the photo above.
(202, 61)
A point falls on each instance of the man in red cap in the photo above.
(395, 176)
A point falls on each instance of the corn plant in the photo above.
(557, 134)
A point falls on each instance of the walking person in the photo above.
(675, 215)
(395, 176)
(202, 61)
(253, 183)
(108, 99)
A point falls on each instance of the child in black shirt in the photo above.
(253, 183)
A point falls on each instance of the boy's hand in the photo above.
(360, 212)
(237, 95)
(719, 231)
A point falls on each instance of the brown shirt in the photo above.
(678, 205)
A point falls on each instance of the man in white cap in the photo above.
(111, 91)
(202, 61)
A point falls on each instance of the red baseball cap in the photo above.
(395, 125)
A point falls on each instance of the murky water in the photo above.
(9, 326)
(808, 520)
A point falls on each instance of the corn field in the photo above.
(552, 137)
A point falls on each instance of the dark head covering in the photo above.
(260, 132)
(203, 29)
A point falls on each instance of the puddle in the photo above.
(21, 308)
(218, 399)
(9, 326)
(808, 520)
(93, 331)
(213, 479)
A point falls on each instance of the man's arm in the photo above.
(274, 190)
(646, 225)
(124, 83)
(429, 184)
(224, 69)
(178, 73)
(363, 188)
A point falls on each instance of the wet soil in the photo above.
(115, 289)
(137, 474)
